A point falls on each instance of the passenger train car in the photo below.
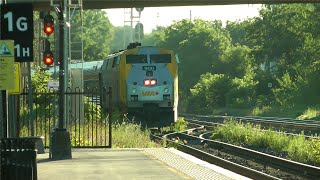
(144, 81)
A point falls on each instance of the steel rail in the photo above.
(285, 119)
(213, 124)
(314, 126)
(245, 171)
(269, 159)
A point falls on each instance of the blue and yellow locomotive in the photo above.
(144, 80)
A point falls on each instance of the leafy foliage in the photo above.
(39, 84)
(199, 43)
(121, 38)
(97, 33)
(180, 125)
(209, 92)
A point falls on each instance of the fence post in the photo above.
(110, 117)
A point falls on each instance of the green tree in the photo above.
(235, 61)
(238, 31)
(199, 43)
(209, 93)
(97, 33)
(121, 38)
(152, 39)
(279, 34)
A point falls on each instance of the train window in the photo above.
(110, 62)
(114, 62)
(107, 64)
(160, 58)
(118, 60)
(136, 58)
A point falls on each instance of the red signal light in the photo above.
(48, 58)
(48, 23)
(48, 30)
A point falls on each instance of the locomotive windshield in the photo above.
(160, 58)
(136, 58)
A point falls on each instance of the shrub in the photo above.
(180, 125)
(210, 91)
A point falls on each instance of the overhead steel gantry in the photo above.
(107, 4)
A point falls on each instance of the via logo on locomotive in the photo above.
(149, 93)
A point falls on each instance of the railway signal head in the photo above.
(139, 32)
(48, 58)
(48, 23)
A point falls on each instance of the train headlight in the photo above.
(166, 90)
(134, 90)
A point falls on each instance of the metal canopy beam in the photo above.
(107, 4)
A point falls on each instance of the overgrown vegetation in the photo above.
(128, 135)
(298, 148)
(179, 125)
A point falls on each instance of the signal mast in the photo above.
(136, 33)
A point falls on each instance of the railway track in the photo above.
(247, 162)
(309, 127)
(212, 125)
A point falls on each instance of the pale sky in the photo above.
(164, 16)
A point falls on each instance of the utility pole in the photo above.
(3, 101)
(60, 143)
(131, 25)
(3, 98)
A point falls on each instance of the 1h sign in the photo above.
(17, 25)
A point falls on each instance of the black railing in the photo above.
(86, 116)
(18, 158)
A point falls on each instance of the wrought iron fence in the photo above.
(18, 158)
(87, 115)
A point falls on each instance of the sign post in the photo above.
(16, 79)
(6, 76)
(60, 144)
(6, 64)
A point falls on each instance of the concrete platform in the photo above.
(153, 163)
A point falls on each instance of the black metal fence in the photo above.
(85, 118)
(18, 158)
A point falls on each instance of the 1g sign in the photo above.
(17, 24)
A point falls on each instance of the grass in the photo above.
(297, 147)
(301, 112)
(310, 113)
(127, 135)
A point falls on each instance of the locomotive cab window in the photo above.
(110, 62)
(115, 62)
(160, 58)
(136, 58)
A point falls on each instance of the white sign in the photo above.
(53, 85)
